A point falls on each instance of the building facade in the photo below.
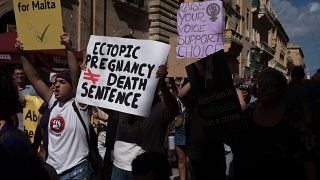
(295, 55)
(279, 42)
(254, 36)
(233, 34)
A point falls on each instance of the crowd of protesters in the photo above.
(281, 140)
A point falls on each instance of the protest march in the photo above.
(156, 90)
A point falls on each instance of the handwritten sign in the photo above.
(200, 29)
(30, 115)
(177, 67)
(121, 73)
(39, 23)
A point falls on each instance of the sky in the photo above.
(301, 21)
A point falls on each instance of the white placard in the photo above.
(121, 74)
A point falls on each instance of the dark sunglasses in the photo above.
(244, 87)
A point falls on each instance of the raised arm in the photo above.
(41, 88)
(168, 99)
(184, 90)
(72, 62)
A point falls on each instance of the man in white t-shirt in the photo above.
(67, 147)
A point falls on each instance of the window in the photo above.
(247, 21)
(248, 58)
(237, 27)
(139, 3)
(225, 22)
(238, 6)
(282, 57)
(247, 24)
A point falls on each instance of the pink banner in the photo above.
(200, 29)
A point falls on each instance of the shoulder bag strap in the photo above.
(54, 104)
(82, 122)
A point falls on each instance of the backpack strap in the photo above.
(81, 120)
(15, 132)
(54, 104)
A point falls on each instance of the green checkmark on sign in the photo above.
(42, 35)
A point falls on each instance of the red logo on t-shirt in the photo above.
(57, 124)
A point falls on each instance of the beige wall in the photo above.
(247, 35)
(295, 53)
(157, 21)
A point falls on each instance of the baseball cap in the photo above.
(65, 74)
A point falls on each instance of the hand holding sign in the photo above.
(200, 29)
(66, 40)
(162, 71)
(39, 23)
(19, 45)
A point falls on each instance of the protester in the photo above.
(68, 147)
(297, 96)
(314, 97)
(151, 166)
(268, 149)
(313, 133)
(16, 155)
(111, 134)
(18, 76)
(298, 102)
(136, 134)
(243, 92)
(180, 90)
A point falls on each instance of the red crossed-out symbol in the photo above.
(90, 76)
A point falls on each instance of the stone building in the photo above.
(254, 37)
(141, 19)
(263, 25)
(280, 41)
(295, 55)
(233, 34)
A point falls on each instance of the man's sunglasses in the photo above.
(244, 87)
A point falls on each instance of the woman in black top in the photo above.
(270, 148)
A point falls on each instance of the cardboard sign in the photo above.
(121, 74)
(217, 101)
(177, 67)
(200, 29)
(30, 115)
(39, 23)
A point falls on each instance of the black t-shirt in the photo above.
(44, 121)
(267, 152)
(147, 132)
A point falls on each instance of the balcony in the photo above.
(231, 8)
(265, 15)
(232, 42)
(266, 51)
(231, 36)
